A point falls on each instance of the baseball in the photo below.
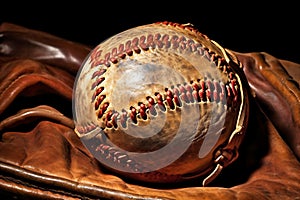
(161, 103)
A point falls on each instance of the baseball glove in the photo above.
(41, 157)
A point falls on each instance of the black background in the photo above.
(244, 26)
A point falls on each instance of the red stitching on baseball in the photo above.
(110, 153)
(156, 41)
(195, 92)
(85, 129)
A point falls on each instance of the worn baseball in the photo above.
(161, 103)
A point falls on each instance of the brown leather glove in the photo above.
(41, 156)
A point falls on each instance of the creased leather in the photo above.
(23, 43)
(41, 157)
(275, 83)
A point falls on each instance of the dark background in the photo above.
(244, 26)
